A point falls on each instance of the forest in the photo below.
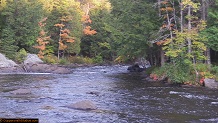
(178, 37)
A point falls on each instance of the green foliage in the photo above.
(123, 31)
(179, 72)
(80, 60)
(184, 72)
(202, 67)
(98, 59)
(134, 26)
(21, 55)
(211, 32)
(63, 61)
(204, 70)
(7, 43)
(177, 47)
(214, 69)
(20, 28)
(50, 59)
(100, 43)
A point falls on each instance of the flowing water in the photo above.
(121, 97)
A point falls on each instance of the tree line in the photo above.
(111, 30)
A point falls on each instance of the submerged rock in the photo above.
(93, 93)
(210, 83)
(21, 92)
(83, 105)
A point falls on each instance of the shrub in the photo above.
(177, 73)
(80, 60)
(21, 55)
(214, 69)
(98, 59)
(63, 61)
(51, 59)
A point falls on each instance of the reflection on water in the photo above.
(122, 97)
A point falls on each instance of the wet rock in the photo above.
(93, 93)
(210, 83)
(135, 68)
(61, 70)
(12, 70)
(83, 105)
(21, 92)
(32, 59)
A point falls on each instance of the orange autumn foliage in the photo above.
(42, 32)
(64, 35)
(65, 31)
(59, 25)
(42, 40)
(160, 42)
(86, 19)
(164, 2)
(42, 47)
(88, 31)
(70, 40)
(169, 8)
(62, 46)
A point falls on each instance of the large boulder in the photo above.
(83, 105)
(34, 64)
(4, 62)
(210, 83)
(32, 59)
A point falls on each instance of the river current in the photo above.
(121, 97)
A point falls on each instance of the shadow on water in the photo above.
(121, 97)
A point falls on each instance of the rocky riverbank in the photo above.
(31, 64)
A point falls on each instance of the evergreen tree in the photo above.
(137, 20)
(20, 28)
(212, 30)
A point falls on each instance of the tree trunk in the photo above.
(204, 12)
(159, 3)
(189, 30)
(208, 56)
(181, 17)
(162, 57)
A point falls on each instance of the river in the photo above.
(121, 97)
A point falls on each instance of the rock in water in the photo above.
(21, 91)
(135, 68)
(83, 105)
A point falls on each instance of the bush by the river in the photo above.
(185, 73)
(21, 55)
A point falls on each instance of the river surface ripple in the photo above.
(121, 97)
